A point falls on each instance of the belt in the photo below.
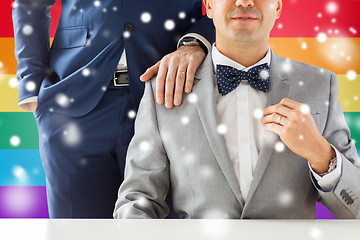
(120, 78)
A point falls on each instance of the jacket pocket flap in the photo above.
(70, 37)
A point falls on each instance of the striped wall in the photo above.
(298, 35)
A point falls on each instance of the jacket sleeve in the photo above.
(344, 199)
(31, 20)
(142, 193)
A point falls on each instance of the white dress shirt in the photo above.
(244, 107)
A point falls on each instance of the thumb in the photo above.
(150, 72)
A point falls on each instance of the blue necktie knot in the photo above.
(229, 78)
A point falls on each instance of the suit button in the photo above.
(343, 192)
(128, 27)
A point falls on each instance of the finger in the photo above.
(273, 128)
(160, 83)
(190, 74)
(274, 118)
(179, 85)
(278, 109)
(150, 72)
(169, 86)
(289, 103)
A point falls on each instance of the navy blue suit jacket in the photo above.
(70, 77)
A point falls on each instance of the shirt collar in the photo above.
(219, 58)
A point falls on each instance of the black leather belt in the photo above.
(121, 78)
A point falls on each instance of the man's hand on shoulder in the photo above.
(174, 71)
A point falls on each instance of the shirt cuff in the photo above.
(24, 104)
(328, 181)
(197, 36)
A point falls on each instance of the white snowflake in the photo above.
(169, 25)
(84, 162)
(286, 66)
(30, 86)
(319, 15)
(103, 88)
(126, 34)
(258, 113)
(206, 172)
(264, 74)
(144, 146)
(351, 75)
(301, 83)
(62, 100)
(333, 20)
(97, 3)
(13, 83)
(145, 17)
(332, 7)
(15, 141)
(142, 202)
(19, 172)
(305, 109)
(15, 5)
(286, 198)
(189, 159)
(352, 30)
(72, 135)
(279, 147)
(86, 72)
(182, 15)
(280, 26)
(222, 129)
(27, 30)
(304, 45)
(132, 114)
(192, 98)
(316, 28)
(356, 98)
(185, 120)
(321, 37)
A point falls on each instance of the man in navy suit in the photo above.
(85, 89)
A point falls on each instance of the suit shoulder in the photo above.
(305, 69)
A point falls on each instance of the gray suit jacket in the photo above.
(193, 157)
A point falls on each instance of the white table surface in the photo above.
(91, 229)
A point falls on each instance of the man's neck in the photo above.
(247, 54)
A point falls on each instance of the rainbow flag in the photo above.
(324, 33)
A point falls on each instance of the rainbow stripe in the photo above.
(296, 35)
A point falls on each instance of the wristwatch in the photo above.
(192, 41)
(332, 166)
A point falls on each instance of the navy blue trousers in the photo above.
(84, 157)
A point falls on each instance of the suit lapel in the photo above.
(278, 90)
(206, 106)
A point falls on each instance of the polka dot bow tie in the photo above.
(229, 78)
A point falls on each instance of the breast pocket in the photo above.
(70, 37)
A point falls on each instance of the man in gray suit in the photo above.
(260, 136)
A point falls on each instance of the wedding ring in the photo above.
(182, 72)
(279, 119)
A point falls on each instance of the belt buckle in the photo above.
(117, 82)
